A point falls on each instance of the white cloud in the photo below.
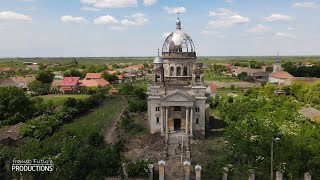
(304, 5)
(228, 22)
(222, 12)
(165, 35)
(111, 3)
(228, 1)
(277, 17)
(259, 29)
(106, 20)
(226, 18)
(285, 35)
(213, 33)
(90, 9)
(175, 10)
(137, 19)
(149, 2)
(73, 20)
(13, 16)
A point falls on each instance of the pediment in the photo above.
(178, 96)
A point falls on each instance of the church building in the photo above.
(177, 99)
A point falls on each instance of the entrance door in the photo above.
(177, 124)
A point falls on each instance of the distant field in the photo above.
(17, 62)
(220, 78)
(60, 99)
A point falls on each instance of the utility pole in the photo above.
(272, 144)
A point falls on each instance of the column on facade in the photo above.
(187, 120)
(162, 119)
(191, 121)
(167, 119)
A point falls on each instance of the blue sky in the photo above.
(55, 28)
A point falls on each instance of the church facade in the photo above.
(177, 99)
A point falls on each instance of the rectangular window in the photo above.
(157, 108)
(177, 108)
(197, 109)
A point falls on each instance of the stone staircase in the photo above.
(173, 143)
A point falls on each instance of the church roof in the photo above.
(281, 75)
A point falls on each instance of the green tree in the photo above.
(45, 76)
(12, 101)
(110, 77)
(39, 88)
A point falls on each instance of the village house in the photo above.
(33, 67)
(93, 76)
(310, 113)
(93, 83)
(6, 82)
(211, 90)
(69, 84)
(120, 78)
(58, 75)
(261, 76)
(250, 72)
(7, 70)
(55, 85)
(23, 81)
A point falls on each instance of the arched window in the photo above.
(178, 71)
(158, 120)
(171, 71)
(185, 71)
(197, 121)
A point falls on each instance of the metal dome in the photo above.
(178, 41)
(158, 59)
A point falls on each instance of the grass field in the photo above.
(208, 77)
(60, 99)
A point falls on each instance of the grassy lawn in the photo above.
(60, 99)
(208, 77)
(97, 119)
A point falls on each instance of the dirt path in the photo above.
(110, 131)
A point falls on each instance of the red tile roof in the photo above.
(213, 88)
(120, 77)
(110, 66)
(114, 91)
(281, 75)
(93, 75)
(70, 81)
(6, 69)
(93, 83)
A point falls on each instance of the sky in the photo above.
(113, 28)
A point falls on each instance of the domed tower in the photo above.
(178, 53)
(158, 69)
(277, 64)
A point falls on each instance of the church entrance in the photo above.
(177, 124)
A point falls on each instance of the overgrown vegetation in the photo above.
(255, 120)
